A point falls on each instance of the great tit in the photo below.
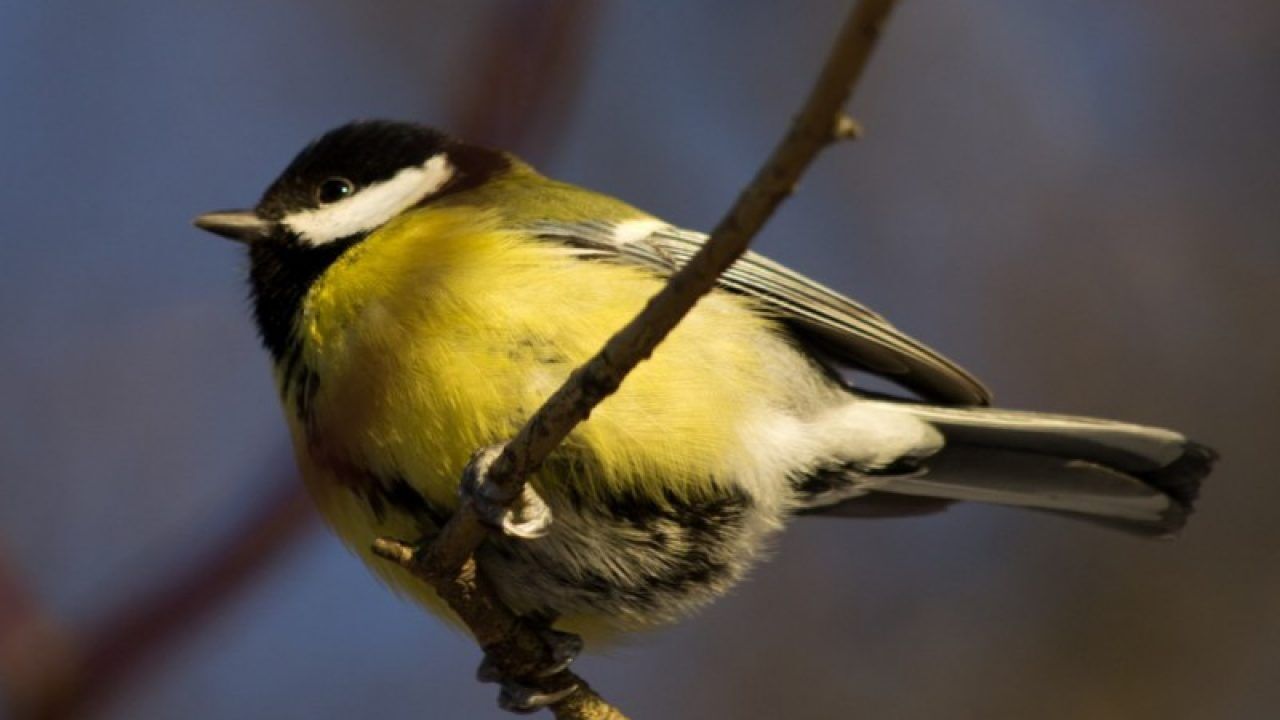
(421, 296)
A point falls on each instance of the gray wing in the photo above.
(826, 322)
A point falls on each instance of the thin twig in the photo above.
(821, 121)
(447, 563)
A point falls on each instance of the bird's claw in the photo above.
(525, 516)
(564, 647)
(518, 697)
(522, 700)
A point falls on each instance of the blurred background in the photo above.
(1078, 201)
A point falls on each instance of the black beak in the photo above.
(240, 225)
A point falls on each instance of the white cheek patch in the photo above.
(371, 206)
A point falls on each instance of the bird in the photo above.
(420, 296)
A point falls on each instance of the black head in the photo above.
(339, 189)
(353, 180)
(345, 161)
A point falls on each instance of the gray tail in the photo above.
(1130, 477)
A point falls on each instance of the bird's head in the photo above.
(335, 193)
(352, 181)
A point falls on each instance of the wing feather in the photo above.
(827, 322)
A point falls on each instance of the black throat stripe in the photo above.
(281, 274)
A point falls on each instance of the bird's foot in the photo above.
(525, 515)
(543, 686)
(519, 698)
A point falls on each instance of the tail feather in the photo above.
(1131, 477)
(1120, 445)
(1012, 477)
(1181, 478)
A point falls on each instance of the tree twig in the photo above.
(447, 563)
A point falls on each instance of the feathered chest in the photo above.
(437, 336)
(426, 342)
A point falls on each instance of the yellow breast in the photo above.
(442, 332)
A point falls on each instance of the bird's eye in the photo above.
(333, 190)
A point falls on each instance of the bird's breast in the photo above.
(444, 332)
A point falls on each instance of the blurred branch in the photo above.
(16, 604)
(122, 646)
(36, 656)
(529, 75)
(448, 563)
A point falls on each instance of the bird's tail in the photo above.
(1131, 477)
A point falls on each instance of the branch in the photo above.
(447, 563)
(820, 123)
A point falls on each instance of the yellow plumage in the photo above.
(441, 332)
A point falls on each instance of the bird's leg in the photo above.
(563, 646)
(544, 686)
(524, 516)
